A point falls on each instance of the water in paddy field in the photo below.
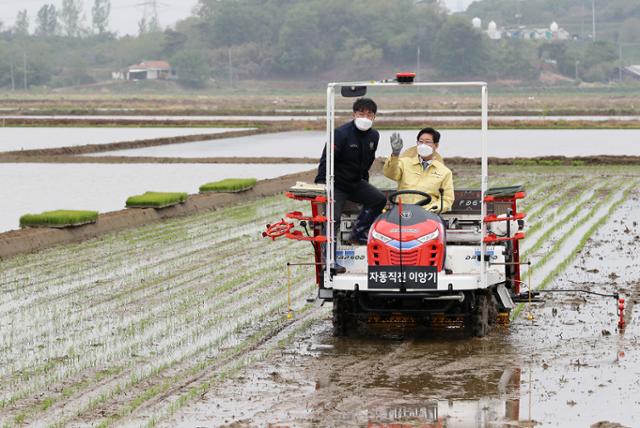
(25, 138)
(465, 143)
(34, 188)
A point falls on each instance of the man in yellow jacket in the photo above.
(423, 171)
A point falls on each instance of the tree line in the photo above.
(227, 40)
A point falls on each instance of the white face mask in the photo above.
(363, 124)
(424, 150)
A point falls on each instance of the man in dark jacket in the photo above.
(355, 145)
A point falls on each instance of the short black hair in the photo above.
(435, 134)
(363, 104)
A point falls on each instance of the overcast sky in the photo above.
(124, 17)
(125, 14)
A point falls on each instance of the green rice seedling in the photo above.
(229, 185)
(58, 218)
(156, 199)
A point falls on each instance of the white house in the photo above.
(146, 70)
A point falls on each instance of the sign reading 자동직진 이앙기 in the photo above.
(385, 277)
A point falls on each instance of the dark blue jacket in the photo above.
(354, 153)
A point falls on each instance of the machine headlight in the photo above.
(380, 236)
(429, 236)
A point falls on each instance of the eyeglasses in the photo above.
(425, 142)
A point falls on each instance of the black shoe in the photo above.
(337, 269)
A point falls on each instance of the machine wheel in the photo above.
(480, 315)
(342, 320)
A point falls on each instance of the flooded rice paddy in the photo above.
(34, 188)
(25, 138)
(465, 143)
(183, 323)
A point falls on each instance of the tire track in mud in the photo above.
(165, 406)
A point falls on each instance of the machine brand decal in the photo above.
(348, 255)
(404, 229)
(383, 277)
(407, 214)
(491, 254)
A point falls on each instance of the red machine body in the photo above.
(407, 235)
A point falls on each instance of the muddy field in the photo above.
(503, 101)
(184, 323)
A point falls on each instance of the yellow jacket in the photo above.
(410, 175)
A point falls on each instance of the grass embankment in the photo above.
(229, 185)
(156, 199)
(58, 218)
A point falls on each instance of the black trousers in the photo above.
(372, 199)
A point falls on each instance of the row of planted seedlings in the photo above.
(204, 235)
(74, 218)
(564, 212)
(125, 293)
(183, 357)
(242, 324)
(129, 264)
(554, 243)
(584, 213)
(47, 261)
(143, 238)
(235, 314)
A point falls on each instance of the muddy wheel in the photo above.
(341, 315)
(480, 316)
(493, 310)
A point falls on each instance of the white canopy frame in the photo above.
(330, 178)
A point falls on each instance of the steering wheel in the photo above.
(421, 202)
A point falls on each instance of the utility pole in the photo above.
(593, 18)
(230, 67)
(13, 79)
(24, 68)
(620, 61)
(577, 63)
(418, 65)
